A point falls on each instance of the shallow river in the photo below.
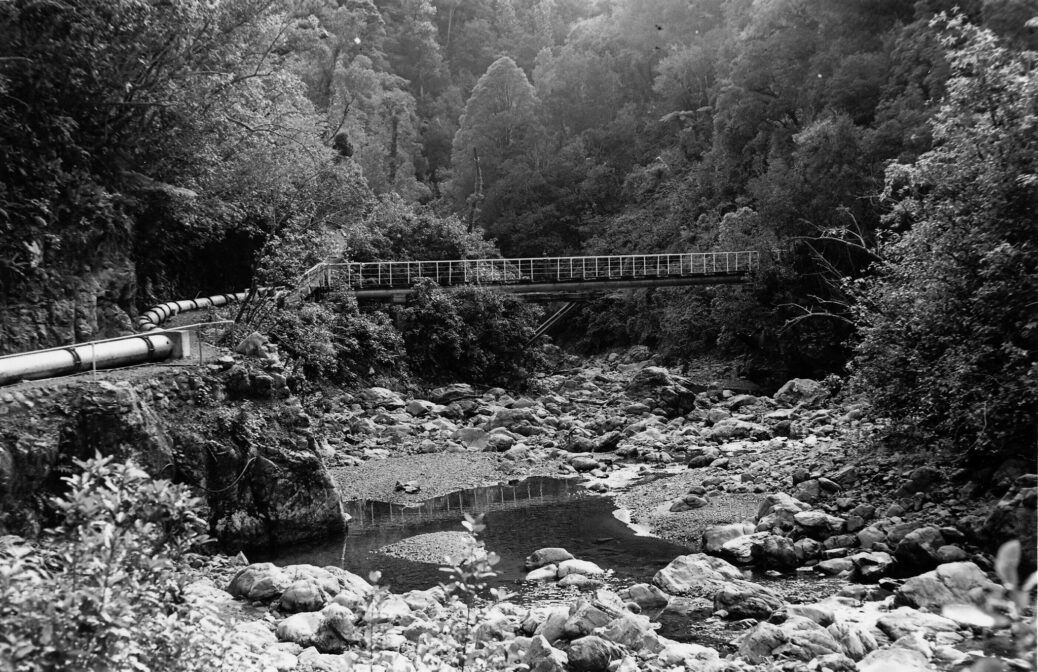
(520, 519)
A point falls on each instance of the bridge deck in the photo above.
(388, 279)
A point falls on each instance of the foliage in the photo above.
(473, 334)
(158, 131)
(102, 591)
(948, 333)
(335, 340)
(466, 590)
(396, 231)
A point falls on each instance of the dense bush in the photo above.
(102, 591)
(335, 340)
(949, 335)
(474, 334)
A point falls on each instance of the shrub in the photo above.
(474, 334)
(102, 590)
(335, 340)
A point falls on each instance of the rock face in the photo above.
(87, 306)
(264, 480)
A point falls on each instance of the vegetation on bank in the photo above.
(888, 150)
(104, 588)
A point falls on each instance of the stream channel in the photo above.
(520, 518)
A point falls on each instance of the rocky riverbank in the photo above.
(790, 484)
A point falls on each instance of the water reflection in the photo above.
(520, 518)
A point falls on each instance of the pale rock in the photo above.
(420, 407)
(745, 599)
(818, 524)
(304, 595)
(580, 581)
(584, 618)
(392, 609)
(906, 620)
(584, 567)
(900, 659)
(692, 656)
(260, 582)
(780, 501)
(592, 654)
(645, 596)
(856, 641)
(871, 566)
(695, 575)
(541, 656)
(950, 583)
(715, 536)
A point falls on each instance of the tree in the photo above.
(498, 124)
(948, 334)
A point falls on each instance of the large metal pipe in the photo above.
(152, 319)
(84, 357)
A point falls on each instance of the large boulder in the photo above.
(382, 397)
(452, 393)
(801, 391)
(745, 599)
(675, 395)
(330, 630)
(541, 656)
(512, 419)
(895, 658)
(951, 583)
(919, 547)
(645, 596)
(818, 524)
(855, 640)
(696, 575)
(906, 621)
(574, 566)
(592, 654)
(778, 552)
(547, 556)
(797, 638)
(716, 536)
(779, 502)
(733, 429)
(259, 582)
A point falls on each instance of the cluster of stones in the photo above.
(302, 617)
(21, 401)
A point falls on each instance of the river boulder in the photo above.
(695, 575)
(951, 583)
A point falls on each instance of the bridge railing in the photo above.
(403, 274)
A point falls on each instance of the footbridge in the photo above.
(535, 278)
(544, 278)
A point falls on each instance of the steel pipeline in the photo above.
(84, 357)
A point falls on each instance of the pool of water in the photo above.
(520, 518)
